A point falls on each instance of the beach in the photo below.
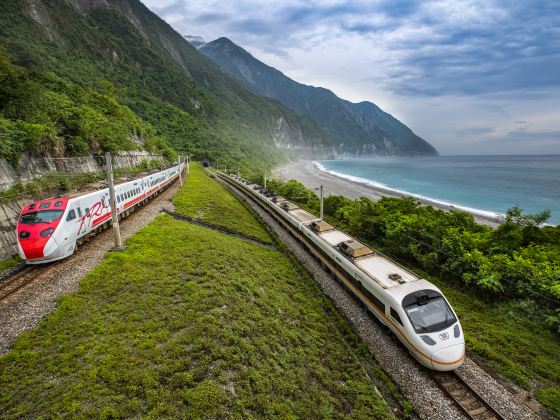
(312, 177)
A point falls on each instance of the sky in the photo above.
(470, 77)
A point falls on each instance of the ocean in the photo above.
(483, 184)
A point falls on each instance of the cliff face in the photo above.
(354, 129)
(190, 103)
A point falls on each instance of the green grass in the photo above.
(189, 322)
(9, 263)
(204, 198)
(509, 337)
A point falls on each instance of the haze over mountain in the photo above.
(355, 129)
(120, 49)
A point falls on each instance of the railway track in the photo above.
(470, 402)
(20, 280)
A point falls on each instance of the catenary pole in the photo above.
(321, 211)
(115, 218)
(180, 171)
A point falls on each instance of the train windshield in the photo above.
(46, 216)
(428, 312)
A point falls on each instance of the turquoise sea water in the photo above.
(486, 183)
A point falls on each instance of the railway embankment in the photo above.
(193, 322)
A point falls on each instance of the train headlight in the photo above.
(47, 232)
(23, 234)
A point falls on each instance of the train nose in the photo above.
(38, 248)
(449, 358)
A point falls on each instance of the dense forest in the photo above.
(43, 113)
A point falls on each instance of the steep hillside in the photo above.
(355, 129)
(192, 105)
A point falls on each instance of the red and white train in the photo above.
(51, 229)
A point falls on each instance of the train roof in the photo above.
(385, 272)
(334, 237)
(302, 215)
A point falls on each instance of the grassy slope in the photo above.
(190, 322)
(209, 201)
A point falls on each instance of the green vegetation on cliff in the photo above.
(43, 113)
(120, 49)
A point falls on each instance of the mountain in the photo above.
(122, 51)
(355, 129)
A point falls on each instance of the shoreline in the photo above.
(311, 177)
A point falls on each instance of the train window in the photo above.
(46, 216)
(71, 215)
(79, 212)
(87, 211)
(58, 204)
(428, 311)
(31, 206)
(44, 205)
(396, 316)
(380, 305)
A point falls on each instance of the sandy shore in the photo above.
(308, 174)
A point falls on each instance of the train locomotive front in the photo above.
(433, 332)
(40, 230)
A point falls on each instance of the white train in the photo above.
(51, 229)
(411, 307)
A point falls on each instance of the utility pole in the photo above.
(188, 165)
(321, 211)
(237, 171)
(225, 169)
(180, 170)
(112, 196)
(265, 180)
